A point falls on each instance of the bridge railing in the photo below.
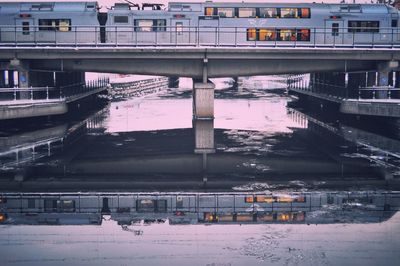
(49, 93)
(251, 36)
(379, 92)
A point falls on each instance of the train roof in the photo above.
(352, 8)
(6, 7)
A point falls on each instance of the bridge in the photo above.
(189, 55)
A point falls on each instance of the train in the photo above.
(198, 24)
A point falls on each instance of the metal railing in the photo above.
(250, 36)
(379, 92)
(50, 93)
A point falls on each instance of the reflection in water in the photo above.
(146, 185)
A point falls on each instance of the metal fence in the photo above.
(50, 93)
(250, 36)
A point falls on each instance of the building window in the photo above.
(226, 12)
(363, 26)
(121, 19)
(247, 12)
(268, 12)
(288, 12)
(54, 24)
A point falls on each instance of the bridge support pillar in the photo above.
(2, 79)
(371, 79)
(204, 136)
(203, 100)
(11, 81)
(173, 82)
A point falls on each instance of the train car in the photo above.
(200, 24)
(50, 22)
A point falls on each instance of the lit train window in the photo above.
(251, 34)
(150, 25)
(226, 12)
(121, 19)
(363, 26)
(179, 28)
(54, 24)
(266, 35)
(288, 12)
(304, 13)
(287, 35)
(209, 11)
(63, 25)
(247, 12)
(304, 36)
(268, 12)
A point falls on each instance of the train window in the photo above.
(303, 35)
(25, 28)
(394, 23)
(64, 25)
(144, 24)
(209, 11)
(247, 12)
(251, 34)
(288, 12)
(268, 12)
(335, 29)
(304, 13)
(179, 28)
(226, 12)
(121, 19)
(287, 35)
(160, 24)
(363, 26)
(266, 35)
(54, 24)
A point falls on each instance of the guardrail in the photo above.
(379, 92)
(50, 93)
(250, 36)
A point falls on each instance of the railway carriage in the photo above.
(52, 22)
(202, 24)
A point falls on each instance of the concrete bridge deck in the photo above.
(189, 61)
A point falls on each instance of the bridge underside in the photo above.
(221, 62)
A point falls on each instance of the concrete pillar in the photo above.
(2, 79)
(41, 79)
(173, 82)
(204, 136)
(397, 79)
(203, 100)
(383, 78)
(11, 81)
(371, 79)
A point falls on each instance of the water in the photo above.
(268, 182)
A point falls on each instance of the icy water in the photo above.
(267, 182)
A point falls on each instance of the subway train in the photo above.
(198, 24)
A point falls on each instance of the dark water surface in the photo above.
(268, 182)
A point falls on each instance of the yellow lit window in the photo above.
(209, 11)
(251, 34)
